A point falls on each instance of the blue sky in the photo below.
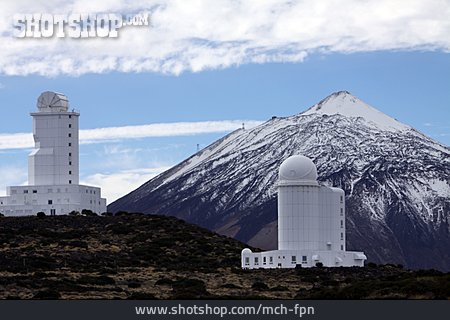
(399, 73)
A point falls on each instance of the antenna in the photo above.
(198, 147)
(243, 126)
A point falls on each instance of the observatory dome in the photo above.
(298, 168)
(246, 250)
(50, 101)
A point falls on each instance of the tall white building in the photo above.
(311, 223)
(53, 166)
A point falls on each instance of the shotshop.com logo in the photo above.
(75, 25)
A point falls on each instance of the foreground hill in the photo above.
(396, 182)
(148, 257)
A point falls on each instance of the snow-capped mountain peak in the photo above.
(345, 104)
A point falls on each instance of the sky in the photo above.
(149, 97)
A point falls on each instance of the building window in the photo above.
(13, 191)
(70, 135)
(294, 260)
(342, 247)
(70, 117)
(304, 259)
(86, 191)
(342, 236)
(264, 260)
(70, 154)
(247, 261)
(50, 201)
(70, 172)
(25, 191)
(34, 191)
(256, 261)
(342, 223)
(70, 125)
(70, 144)
(70, 181)
(342, 210)
(70, 163)
(342, 199)
(270, 260)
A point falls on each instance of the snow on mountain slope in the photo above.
(345, 104)
(395, 178)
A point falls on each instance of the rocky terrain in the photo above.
(157, 257)
(396, 180)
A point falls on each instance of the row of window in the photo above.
(26, 191)
(59, 200)
(264, 262)
(70, 153)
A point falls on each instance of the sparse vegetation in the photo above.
(134, 256)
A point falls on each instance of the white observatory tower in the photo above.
(311, 222)
(53, 166)
(54, 160)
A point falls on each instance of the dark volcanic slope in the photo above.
(396, 182)
(147, 257)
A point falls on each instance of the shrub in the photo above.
(133, 284)
(189, 289)
(107, 214)
(88, 213)
(279, 288)
(74, 213)
(141, 296)
(319, 265)
(259, 285)
(41, 214)
(48, 294)
(96, 280)
(1, 214)
(372, 265)
(163, 282)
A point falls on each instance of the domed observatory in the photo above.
(53, 165)
(311, 222)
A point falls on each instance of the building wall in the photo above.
(305, 258)
(311, 217)
(298, 217)
(332, 219)
(55, 160)
(28, 200)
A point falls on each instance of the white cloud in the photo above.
(118, 184)
(11, 176)
(25, 140)
(196, 35)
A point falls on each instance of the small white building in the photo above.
(311, 223)
(53, 166)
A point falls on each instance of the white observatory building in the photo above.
(311, 223)
(53, 166)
